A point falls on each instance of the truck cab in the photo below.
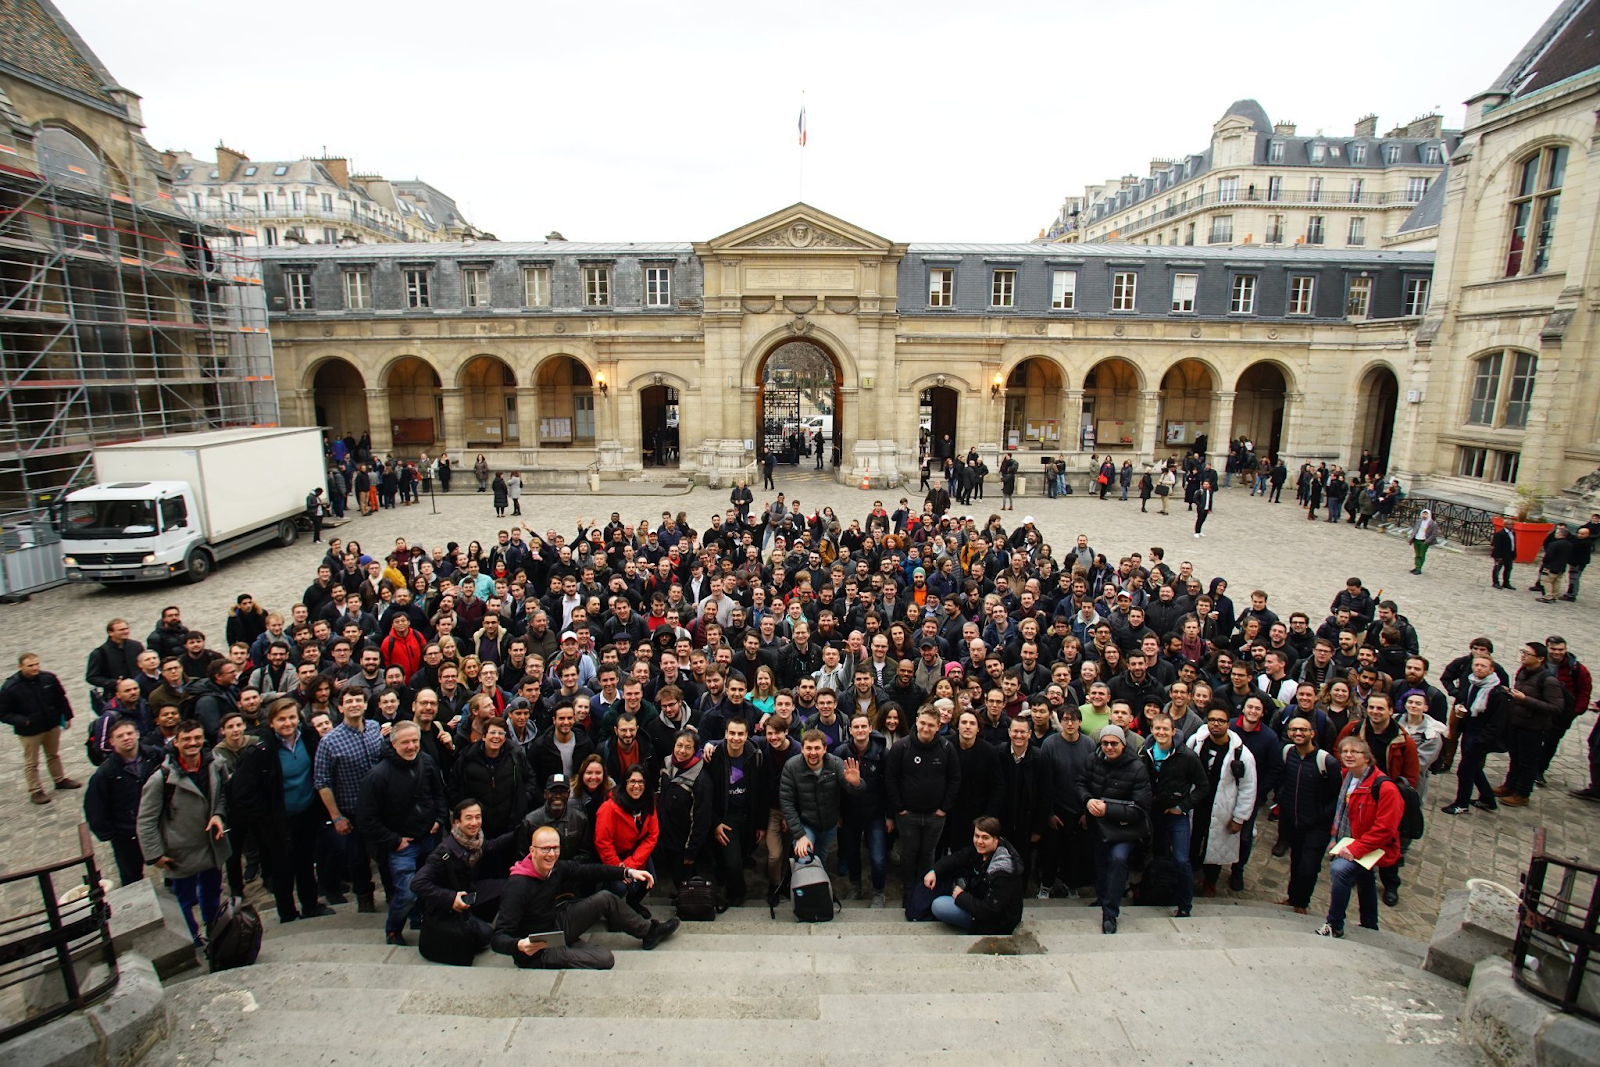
(128, 531)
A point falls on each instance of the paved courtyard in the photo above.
(1252, 543)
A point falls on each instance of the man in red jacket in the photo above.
(403, 647)
(1366, 821)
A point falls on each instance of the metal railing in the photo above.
(1558, 944)
(1465, 525)
(57, 936)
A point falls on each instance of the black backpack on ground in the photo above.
(446, 939)
(234, 937)
(697, 901)
(1161, 884)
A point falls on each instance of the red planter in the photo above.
(1529, 537)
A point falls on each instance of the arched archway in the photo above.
(1258, 407)
(1188, 391)
(1033, 405)
(489, 402)
(658, 425)
(1379, 395)
(1110, 417)
(798, 394)
(566, 403)
(414, 402)
(938, 408)
(339, 395)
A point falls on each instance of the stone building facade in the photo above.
(558, 357)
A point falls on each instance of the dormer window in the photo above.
(1318, 152)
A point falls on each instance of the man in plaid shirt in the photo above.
(343, 759)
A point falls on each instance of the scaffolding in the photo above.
(121, 318)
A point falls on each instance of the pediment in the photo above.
(800, 228)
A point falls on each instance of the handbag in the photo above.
(1123, 822)
(1163, 490)
(1104, 480)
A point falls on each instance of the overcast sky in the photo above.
(933, 121)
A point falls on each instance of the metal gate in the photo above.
(780, 415)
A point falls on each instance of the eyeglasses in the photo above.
(546, 848)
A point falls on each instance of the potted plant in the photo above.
(1526, 511)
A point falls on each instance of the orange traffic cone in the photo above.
(866, 481)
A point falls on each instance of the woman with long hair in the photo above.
(764, 691)
(480, 470)
(891, 721)
(626, 831)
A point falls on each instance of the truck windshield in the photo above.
(109, 518)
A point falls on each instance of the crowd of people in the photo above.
(520, 742)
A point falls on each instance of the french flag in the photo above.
(802, 126)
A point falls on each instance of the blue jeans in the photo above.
(204, 888)
(821, 841)
(1125, 490)
(947, 911)
(869, 831)
(1227, 479)
(1345, 874)
(1175, 831)
(403, 863)
(1111, 875)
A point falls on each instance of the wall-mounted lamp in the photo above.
(600, 380)
(994, 386)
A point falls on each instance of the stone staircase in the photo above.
(1237, 984)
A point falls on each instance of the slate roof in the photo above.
(1430, 209)
(1568, 44)
(482, 249)
(1231, 253)
(1250, 109)
(37, 40)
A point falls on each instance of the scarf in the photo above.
(1341, 814)
(473, 843)
(1478, 698)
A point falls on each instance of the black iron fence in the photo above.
(1557, 943)
(1466, 526)
(55, 945)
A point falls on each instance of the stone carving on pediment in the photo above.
(801, 235)
(799, 326)
(800, 305)
(843, 305)
(758, 307)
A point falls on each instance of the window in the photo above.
(1318, 152)
(658, 287)
(1003, 289)
(296, 203)
(1124, 290)
(330, 236)
(1431, 154)
(536, 287)
(1415, 188)
(1314, 230)
(1188, 235)
(1355, 189)
(233, 202)
(475, 287)
(298, 285)
(250, 172)
(1358, 153)
(1524, 367)
(1275, 187)
(1391, 154)
(1417, 295)
(1358, 231)
(1274, 151)
(357, 290)
(174, 513)
(941, 287)
(1534, 203)
(266, 201)
(1183, 289)
(1227, 190)
(583, 415)
(198, 200)
(1314, 190)
(1485, 390)
(1274, 229)
(1064, 289)
(1302, 288)
(596, 287)
(1221, 229)
(327, 201)
(1244, 295)
(1360, 298)
(269, 236)
(1488, 463)
(280, 170)
(417, 295)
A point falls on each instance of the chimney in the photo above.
(228, 160)
(1283, 129)
(338, 167)
(1159, 165)
(169, 160)
(1426, 126)
(1367, 126)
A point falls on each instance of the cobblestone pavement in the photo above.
(1252, 543)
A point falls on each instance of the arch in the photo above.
(415, 403)
(756, 357)
(1187, 395)
(1258, 405)
(489, 401)
(339, 396)
(1378, 400)
(659, 424)
(1034, 410)
(70, 157)
(798, 380)
(566, 402)
(543, 362)
(1111, 404)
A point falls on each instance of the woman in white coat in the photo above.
(1231, 770)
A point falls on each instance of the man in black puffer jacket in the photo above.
(497, 776)
(400, 810)
(1112, 786)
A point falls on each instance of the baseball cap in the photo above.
(1027, 520)
(557, 781)
(927, 642)
(568, 635)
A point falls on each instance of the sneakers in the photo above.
(1455, 809)
(1486, 805)
(1183, 913)
(396, 938)
(68, 783)
(1044, 890)
(659, 932)
(39, 796)
(877, 901)
(1329, 930)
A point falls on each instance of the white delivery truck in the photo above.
(179, 505)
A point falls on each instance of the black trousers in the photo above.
(576, 920)
(292, 864)
(1501, 573)
(1307, 849)
(729, 860)
(130, 859)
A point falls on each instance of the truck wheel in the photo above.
(197, 567)
(287, 532)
